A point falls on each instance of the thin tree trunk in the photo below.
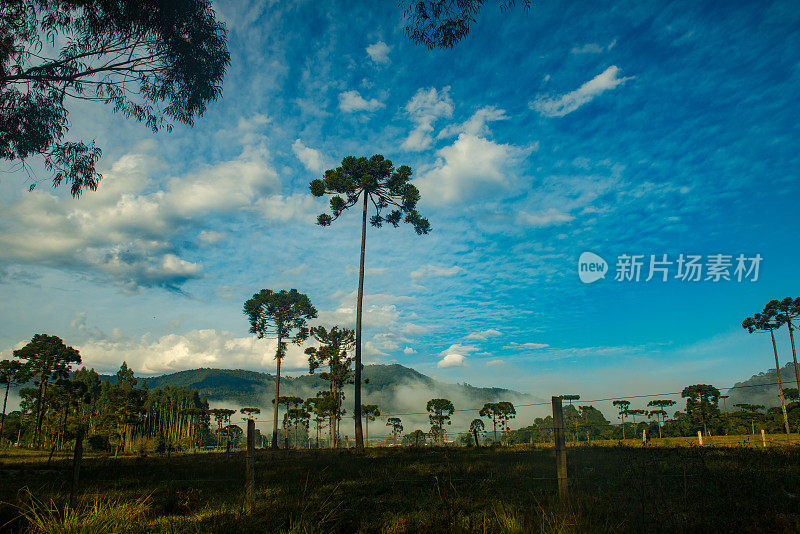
(39, 412)
(780, 388)
(475, 433)
(277, 394)
(794, 355)
(5, 400)
(359, 308)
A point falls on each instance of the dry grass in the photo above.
(394, 490)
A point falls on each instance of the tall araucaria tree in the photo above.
(48, 359)
(766, 322)
(283, 315)
(369, 180)
(785, 311)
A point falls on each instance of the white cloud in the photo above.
(350, 101)
(424, 109)
(379, 52)
(125, 230)
(211, 237)
(593, 48)
(312, 159)
(458, 348)
(588, 48)
(432, 270)
(451, 360)
(550, 217)
(483, 335)
(190, 350)
(409, 350)
(472, 165)
(496, 361)
(567, 103)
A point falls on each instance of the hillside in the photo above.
(393, 387)
(751, 391)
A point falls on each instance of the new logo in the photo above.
(591, 267)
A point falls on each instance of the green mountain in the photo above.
(761, 388)
(393, 387)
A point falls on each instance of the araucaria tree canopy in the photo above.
(156, 61)
(366, 180)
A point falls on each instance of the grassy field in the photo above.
(613, 489)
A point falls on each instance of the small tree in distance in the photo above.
(660, 412)
(282, 314)
(370, 413)
(372, 180)
(440, 411)
(477, 427)
(622, 406)
(397, 427)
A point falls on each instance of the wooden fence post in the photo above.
(76, 468)
(763, 439)
(250, 462)
(561, 449)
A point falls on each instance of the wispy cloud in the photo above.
(352, 101)
(562, 105)
(424, 109)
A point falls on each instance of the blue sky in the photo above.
(618, 128)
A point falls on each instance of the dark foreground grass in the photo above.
(613, 489)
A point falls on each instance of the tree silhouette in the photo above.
(785, 311)
(282, 314)
(701, 404)
(151, 60)
(443, 23)
(440, 411)
(249, 413)
(370, 412)
(633, 414)
(766, 322)
(476, 427)
(370, 180)
(48, 359)
(11, 372)
(498, 412)
(396, 425)
(290, 402)
(334, 351)
(622, 406)
(296, 417)
(660, 412)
